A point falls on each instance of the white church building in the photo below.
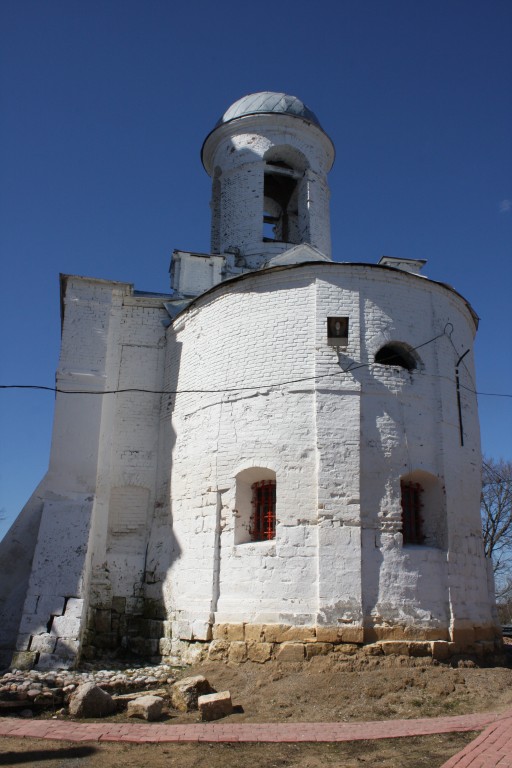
(280, 457)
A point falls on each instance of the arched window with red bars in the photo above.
(263, 519)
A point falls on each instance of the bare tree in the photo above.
(496, 512)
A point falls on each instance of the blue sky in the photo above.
(105, 105)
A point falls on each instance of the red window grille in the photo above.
(263, 522)
(411, 517)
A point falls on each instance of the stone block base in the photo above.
(139, 626)
(121, 624)
(238, 643)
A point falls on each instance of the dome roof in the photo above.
(268, 102)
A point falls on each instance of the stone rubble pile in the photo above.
(143, 691)
(51, 690)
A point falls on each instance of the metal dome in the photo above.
(268, 102)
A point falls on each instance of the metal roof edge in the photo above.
(329, 265)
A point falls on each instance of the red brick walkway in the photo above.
(493, 748)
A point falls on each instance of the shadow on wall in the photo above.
(47, 583)
(128, 612)
(396, 572)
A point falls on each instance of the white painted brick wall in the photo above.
(338, 447)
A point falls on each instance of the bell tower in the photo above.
(268, 158)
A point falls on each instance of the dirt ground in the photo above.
(320, 690)
(424, 752)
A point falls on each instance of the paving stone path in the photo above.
(491, 749)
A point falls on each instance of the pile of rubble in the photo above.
(145, 692)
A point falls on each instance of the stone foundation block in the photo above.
(135, 606)
(53, 605)
(328, 634)
(231, 632)
(106, 641)
(219, 632)
(346, 648)
(370, 635)
(201, 630)
(167, 629)
(273, 633)
(419, 649)
(177, 652)
(464, 637)
(213, 706)
(135, 625)
(253, 632)
(318, 649)
(276, 633)
(218, 650)
(382, 633)
(100, 596)
(374, 649)
(102, 620)
(23, 660)
(155, 628)
(51, 661)
(43, 643)
(88, 652)
(352, 634)
(118, 604)
(23, 641)
(395, 648)
(182, 629)
(165, 646)
(237, 653)
(67, 648)
(154, 609)
(74, 607)
(144, 646)
(89, 622)
(290, 652)
(440, 650)
(146, 707)
(259, 652)
(32, 625)
(426, 633)
(195, 653)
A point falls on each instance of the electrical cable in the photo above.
(350, 369)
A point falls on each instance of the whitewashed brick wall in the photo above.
(338, 447)
(99, 493)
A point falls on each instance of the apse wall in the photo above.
(268, 397)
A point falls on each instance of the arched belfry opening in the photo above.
(268, 158)
(284, 187)
(280, 206)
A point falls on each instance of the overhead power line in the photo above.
(225, 390)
